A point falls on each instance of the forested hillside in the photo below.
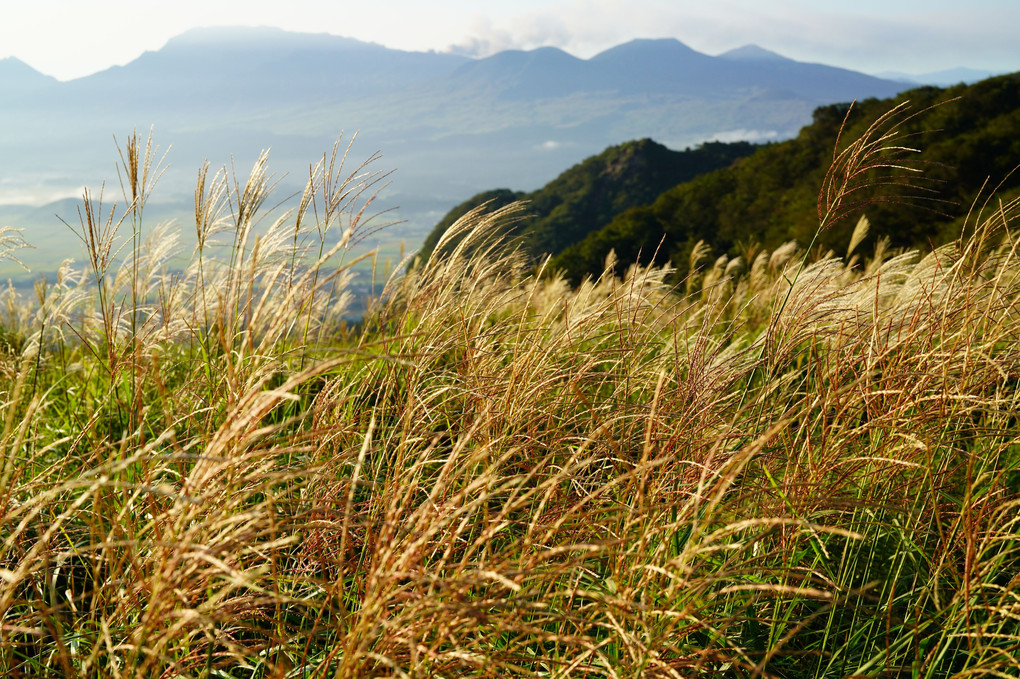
(589, 195)
(959, 144)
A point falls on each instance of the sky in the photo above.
(71, 38)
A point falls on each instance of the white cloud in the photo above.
(528, 31)
(36, 194)
(582, 27)
(757, 136)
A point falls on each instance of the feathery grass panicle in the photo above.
(11, 240)
(879, 157)
(791, 466)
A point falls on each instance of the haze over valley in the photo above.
(448, 125)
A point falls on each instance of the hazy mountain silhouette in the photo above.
(752, 53)
(449, 124)
(19, 79)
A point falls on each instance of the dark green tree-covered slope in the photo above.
(589, 195)
(969, 140)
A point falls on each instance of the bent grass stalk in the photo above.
(497, 475)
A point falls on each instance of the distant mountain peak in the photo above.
(16, 73)
(537, 54)
(201, 33)
(752, 53)
(228, 37)
(670, 47)
(16, 65)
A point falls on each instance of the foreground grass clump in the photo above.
(793, 466)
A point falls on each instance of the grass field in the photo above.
(790, 464)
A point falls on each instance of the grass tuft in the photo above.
(792, 465)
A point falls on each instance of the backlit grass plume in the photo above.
(794, 466)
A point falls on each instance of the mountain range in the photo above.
(641, 201)
(450, 125)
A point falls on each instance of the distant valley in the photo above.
(448, 125)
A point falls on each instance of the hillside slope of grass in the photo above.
(805, 467)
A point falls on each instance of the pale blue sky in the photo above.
(71, 38)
